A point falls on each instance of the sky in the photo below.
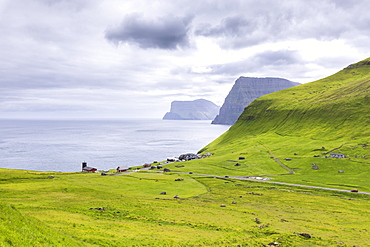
(132, 58)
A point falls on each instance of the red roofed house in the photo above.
(86, 168)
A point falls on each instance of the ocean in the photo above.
(62, 145)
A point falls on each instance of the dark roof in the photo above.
(89, 168)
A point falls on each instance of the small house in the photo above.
(86, 168)
(335, 155)
(119, 169)
(89, 169)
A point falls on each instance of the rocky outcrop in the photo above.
(244, 91)
(199, 109)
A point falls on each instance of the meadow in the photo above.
(76, 209)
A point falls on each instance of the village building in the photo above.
(86, 168)
(335, 155)
(119, 169)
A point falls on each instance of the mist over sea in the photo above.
(62, 145)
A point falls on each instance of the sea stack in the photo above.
(244, 91)
(199, 109)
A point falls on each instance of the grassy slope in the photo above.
(326, 113)
(136, 214)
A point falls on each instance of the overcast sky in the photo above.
(132, 58)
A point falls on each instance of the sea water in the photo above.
(62, 145)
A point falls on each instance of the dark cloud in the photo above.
(165, 33)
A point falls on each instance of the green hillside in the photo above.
(304, 123)
(335, 107)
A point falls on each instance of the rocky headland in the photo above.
(244, 91)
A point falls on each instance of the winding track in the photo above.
(260, 180)
(273, 182)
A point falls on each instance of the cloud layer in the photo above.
(111, 58)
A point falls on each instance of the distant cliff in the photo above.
(244, 91)
(199, 109)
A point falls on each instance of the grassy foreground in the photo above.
(38, 210)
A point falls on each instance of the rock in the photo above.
(199, 109)
(222, 205)
(340, 171)
(244, 91)
(234, 202)
(315, 167)
(306, 235)
(163, 193)
(99, 208)
(254, 193)
(258, 221)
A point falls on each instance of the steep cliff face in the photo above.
(199, 109)
(244, 91)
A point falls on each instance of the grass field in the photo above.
(62, 211)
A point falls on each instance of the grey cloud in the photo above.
(164, 33)
(271, 21)
(236, 31)
(230, 26)
(280, 58)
